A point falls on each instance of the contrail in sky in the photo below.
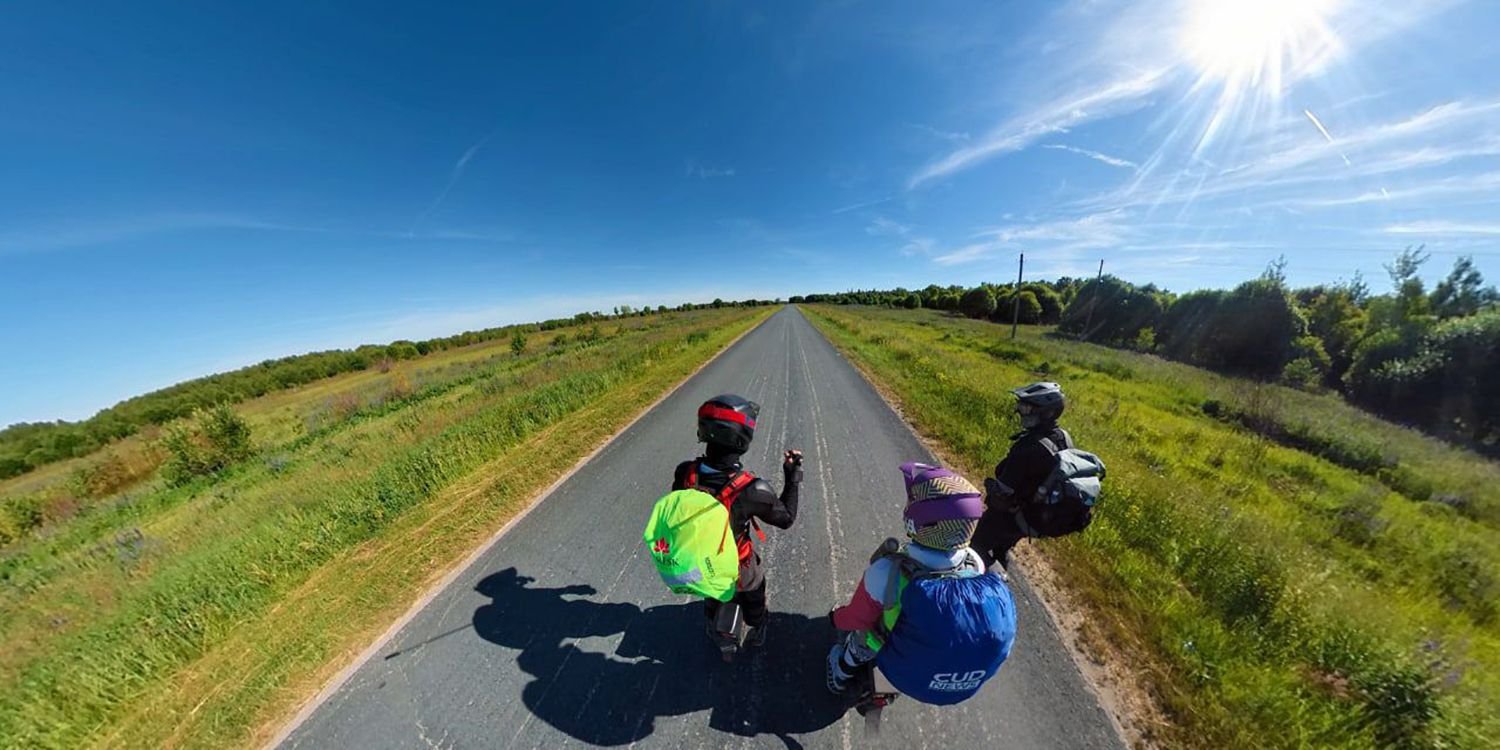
(453, 177)
(1319, 125)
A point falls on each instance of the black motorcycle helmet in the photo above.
(728, 421)
(1039, 404)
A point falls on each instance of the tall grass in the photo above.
(110, 622)
(1270, 587)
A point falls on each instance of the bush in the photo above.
(1050, 300)
(206, 444)
(1145, 340)
(978, 303)
(1469, 584)
(1442, 382)
(1029, 309)
(1254, 330)
(1302, 374)
(518, 342)
(20, 514)
(1111, 311)
(1357, 520)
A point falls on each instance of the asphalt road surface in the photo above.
(563, 635)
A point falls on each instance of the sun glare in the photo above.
(1257, 45)
(1244, 55)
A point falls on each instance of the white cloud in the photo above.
(90, 232)
(919, 246)
(1094, 231)
(857, 206)
(912, 245)
(1121, 94)
(1113, 161)
(1291, 165)
(883, 226)
(1443, 228)
(706, 173)
(1485, 186)
(943, 135)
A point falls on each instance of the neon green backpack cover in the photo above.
(688, 538)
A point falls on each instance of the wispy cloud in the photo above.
(469, 235)
(1484, 186)
(693, 169)
(1094, 231)
(1121, 94)
(454, 174)
(1441, 228)
(943, 135)
(1288, 168)
(1113, 161)
(104, 231)
(912, 243)
(866, 204)
(887, 227)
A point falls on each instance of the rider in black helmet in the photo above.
(1009, 513)
(726, 424)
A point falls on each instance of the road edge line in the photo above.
(342, 677)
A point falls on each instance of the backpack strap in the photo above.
(910, 570)
(727, 495)
(1053, 446)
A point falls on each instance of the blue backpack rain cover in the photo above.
(952, 635)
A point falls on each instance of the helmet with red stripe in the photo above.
(728, 421)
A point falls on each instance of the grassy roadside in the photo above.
(233, 598)
(1269, 597)
(127, 467)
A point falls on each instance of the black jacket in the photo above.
(1028, 464)
(757, 501)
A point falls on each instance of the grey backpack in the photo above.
(1068, 494)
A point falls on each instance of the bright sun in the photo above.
(1256, 45)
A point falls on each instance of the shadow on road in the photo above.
(664, 665)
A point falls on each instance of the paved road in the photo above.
(562, 634)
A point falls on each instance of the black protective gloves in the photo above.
(791, 466)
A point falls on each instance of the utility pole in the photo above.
(1088, 322)
(1015, 311)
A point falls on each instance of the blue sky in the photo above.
(191, 188)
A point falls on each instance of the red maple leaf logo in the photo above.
(661, 547)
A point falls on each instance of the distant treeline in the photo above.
(1430, 359)
(27, 445)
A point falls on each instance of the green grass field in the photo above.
(201, 615)
(1280, 569)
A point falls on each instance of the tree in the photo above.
(1445, 384)
(1050, 300)
(518, 342)
(1188, 323)
(1411, 301)
(912, 302)
(1335, 317)
(400, 350)
(1463, 292)
(978, 302)
(1397, 326)
(1256, 331)
(1028, 308)
(1112, 311)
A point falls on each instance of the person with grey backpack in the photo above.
(1044, 487)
